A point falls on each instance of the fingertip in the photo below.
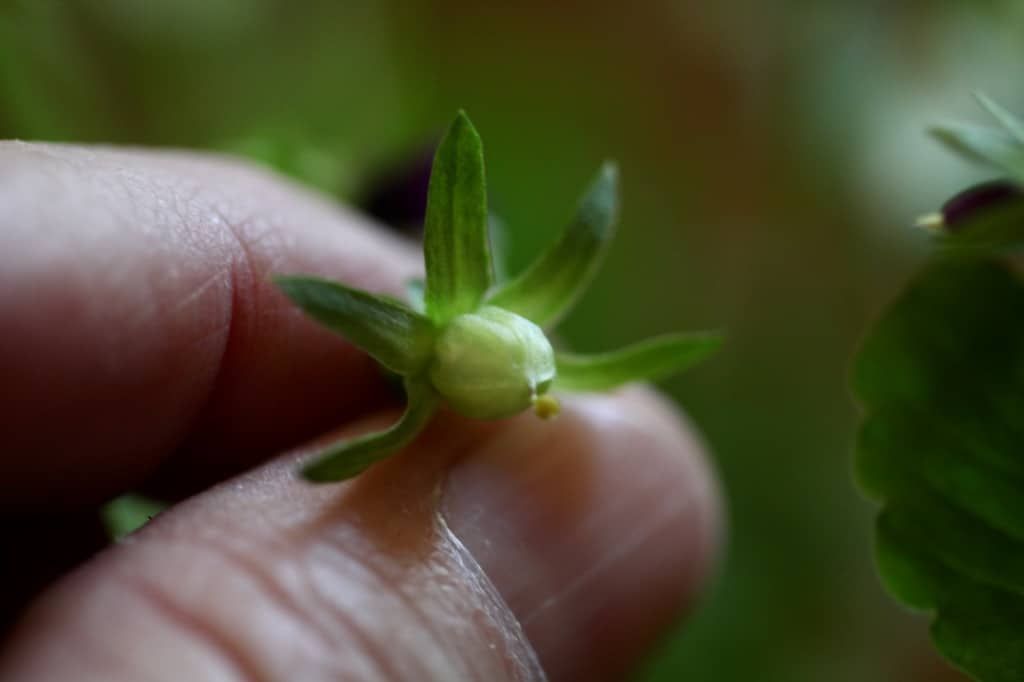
(598, 530)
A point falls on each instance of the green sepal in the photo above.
(395, 336)
(455, 244)
(1012, 124)
(647, 360)
(984, 145)
(547, 289)
(350, 458)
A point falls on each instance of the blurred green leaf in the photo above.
(350, 458)
(456, 248)
(550, 286)
(308, 161)
(397, 337)
(126, 514)
(647, 360)
(942, 379)
(1013, 125)
(984, 145)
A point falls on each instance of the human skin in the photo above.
(144, 347)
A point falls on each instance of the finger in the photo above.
(485, 551)
(139, 320)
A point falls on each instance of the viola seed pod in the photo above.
(485, 361)
(492, 363)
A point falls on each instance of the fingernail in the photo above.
(596, 528)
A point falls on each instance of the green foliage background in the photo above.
(772, 158)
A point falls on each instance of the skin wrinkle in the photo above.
(310, 612)
(309, 644)
(430, 660)
(291, 600)
(196, 628)
(270, 584)
(385, 663)
(86, 651)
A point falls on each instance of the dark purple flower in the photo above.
(398, 196)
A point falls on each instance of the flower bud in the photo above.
(971, 204)
(492, 363)
(974, 201)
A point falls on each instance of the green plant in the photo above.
(942, 379)
(463, 341)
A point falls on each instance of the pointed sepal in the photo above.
(395, 336)
(350, 458)
(456, 248)
(648, 360)
(547, 289)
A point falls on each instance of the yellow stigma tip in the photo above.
(546, 406)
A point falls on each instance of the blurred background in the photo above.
(773, 159)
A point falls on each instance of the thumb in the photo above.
(513, 550)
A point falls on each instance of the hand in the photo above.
(143, 347)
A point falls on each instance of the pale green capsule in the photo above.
(492, 363)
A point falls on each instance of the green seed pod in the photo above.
(492, 363)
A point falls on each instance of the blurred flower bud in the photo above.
(976, 200)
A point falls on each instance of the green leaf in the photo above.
(985, 145)
(394, 335)
(456, 249)
(350, 458)
(551, 285)
(645, 361)
(1013, 124)
(126, 514)
(942, 379)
